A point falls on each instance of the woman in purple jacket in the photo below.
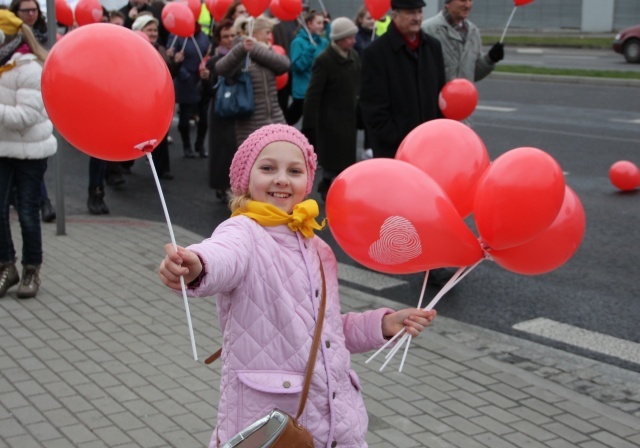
(264, 266)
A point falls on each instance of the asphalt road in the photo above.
(585, 127)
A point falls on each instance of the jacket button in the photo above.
(317, 293)
(286, 384)
(334, 395)
(328, 344)
(334, 444)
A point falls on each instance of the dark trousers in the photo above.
(294, 112)
(185, 112)
(160, 157)
(26, 175)
(97, 172)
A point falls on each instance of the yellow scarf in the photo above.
(301, 219)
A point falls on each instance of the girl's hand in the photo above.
(179, 57)
(181, 263)
(412, 318)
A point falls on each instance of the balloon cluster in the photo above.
(86, 12)
(528, 220)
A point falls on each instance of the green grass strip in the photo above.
(526, 69)
(552, 41)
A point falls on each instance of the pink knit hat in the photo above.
(248, 153)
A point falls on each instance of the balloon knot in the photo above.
(145, 146)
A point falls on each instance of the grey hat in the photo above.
(407, 4)
(342, 27)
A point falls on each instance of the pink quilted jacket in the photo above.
(268, 285)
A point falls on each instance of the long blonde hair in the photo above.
(32, 42)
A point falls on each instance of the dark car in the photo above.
(628, 43)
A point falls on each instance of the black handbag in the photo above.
(235, 100)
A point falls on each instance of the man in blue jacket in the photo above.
(402, 75)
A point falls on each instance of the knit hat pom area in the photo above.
(249, 150)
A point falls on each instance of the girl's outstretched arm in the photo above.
(183, 262)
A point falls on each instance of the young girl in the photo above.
(264, 265)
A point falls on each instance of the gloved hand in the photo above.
(496, 54)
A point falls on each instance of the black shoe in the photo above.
(47, 210)
(95, 203)
(204, 154)
(189, 154)
(114, 179)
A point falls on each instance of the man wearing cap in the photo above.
(329, 118)
(461, 42)
(402, 75)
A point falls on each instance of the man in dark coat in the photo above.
(329, 118)
(402, 75)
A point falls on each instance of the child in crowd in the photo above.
(264, 264)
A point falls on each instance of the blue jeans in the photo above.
(27, 176)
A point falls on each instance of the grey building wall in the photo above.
(541, 14)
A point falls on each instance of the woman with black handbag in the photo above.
(264, 65)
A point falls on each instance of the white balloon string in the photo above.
(324, 10)
(197, 48)
(304, 26)
(504, 33)
(173, 42)
(406, 350)
(393, 352)
(175, 246)
(385, 345)
(373, 31)
(404, 355)
(184, 44)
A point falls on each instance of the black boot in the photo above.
(95, 203)
(48, 212)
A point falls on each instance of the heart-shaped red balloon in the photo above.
(403, 225)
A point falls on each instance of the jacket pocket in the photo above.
(263, 390)
(355, 381)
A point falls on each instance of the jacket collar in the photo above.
(398, 42)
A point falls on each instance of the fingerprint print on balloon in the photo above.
(399, 242)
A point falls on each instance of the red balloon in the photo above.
(292, 6)
(458, 99)
(553, 247)
(64, 13)
(88, 11)
(256, 7)
(377, 8)
(624, 175)
(518, 197)
(177, 18)
(403, 225)
(278, 49)
(522, 2)
(452, 154)
(218, 8)
(278, 11)
(194, 6)
(282, 80)
(109, 103)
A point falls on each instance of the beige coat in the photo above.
(264, 66)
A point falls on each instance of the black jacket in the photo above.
(399, 88)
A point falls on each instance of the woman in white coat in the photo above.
(26, 140)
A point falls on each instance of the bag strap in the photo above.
(314, 347)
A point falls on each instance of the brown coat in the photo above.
(264, 66)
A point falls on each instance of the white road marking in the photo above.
(496, 108)
(530, 50)
(579, 337)
(621, 120)
(365, 277)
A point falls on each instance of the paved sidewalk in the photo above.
(102, 358)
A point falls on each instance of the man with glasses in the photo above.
(402, 75)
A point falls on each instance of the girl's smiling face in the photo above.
(279, 176)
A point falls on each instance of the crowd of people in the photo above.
(274, 279)
(382, 77)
